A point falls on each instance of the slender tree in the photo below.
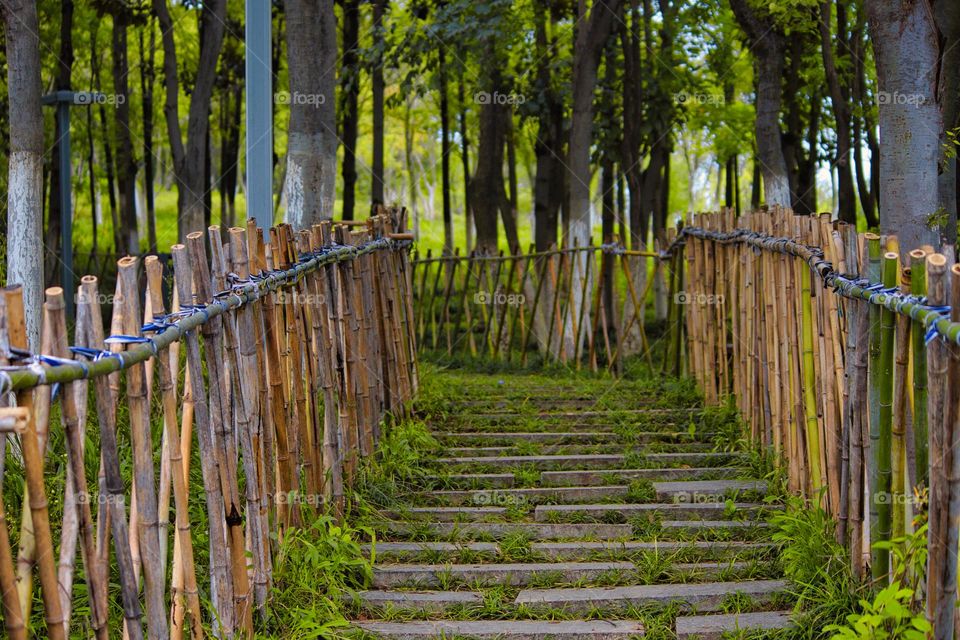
(379, 42)
(767, 42)
(190, 159)
(349, 102)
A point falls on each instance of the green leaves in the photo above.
(888, 616)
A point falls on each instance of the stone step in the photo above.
(716, 627)
(601, 476)
(505, 629)
(576, 449)
(587, 549)
(449, 514)
(546, 437)
(706, 596)
(521, 574)
(598, 460)
(701, 490)
(503, 497)
(671, 511)
(697, 526)
(543, 425)
(414, 548)
(492, 480)
(532, 530)
(517, 574)
(430, 601)
(588, 461)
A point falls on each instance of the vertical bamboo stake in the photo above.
(899, 477)
(112, 495)
(12, 613)
(224, 438)
(221, 583)
(188, 599)
(874, 275)
(938, 601)
(882, 454)
(147, 521)
(859, 335)
(809, 383)
(944, 623)
(918, 287)
(74, 422)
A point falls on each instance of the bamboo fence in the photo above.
(273, 370)
(579, 306)
(844, 356)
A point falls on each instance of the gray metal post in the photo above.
(66, 208)
(259, 113)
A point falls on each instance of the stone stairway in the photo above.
(556, 510)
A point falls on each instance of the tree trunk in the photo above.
(445, 151)
(840, 99)
(349, 95)
(25, 169)
(376, 188)
(548, 184)
(465, 161)
(948, 23)
(107, 148)
(767, 43)
(906, 52)
(311, 140)
(147, 78)
(487, 183)
(591, 37)
(189, 160)
(126, 164)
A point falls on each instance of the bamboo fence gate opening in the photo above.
(844, 356)
(278, 361)
(576, 306)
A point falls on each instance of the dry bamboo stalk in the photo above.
(278, 401)
(147, 521)
(264, 430)
(248, 395)
(348, 404)
(38, 400)
(857, 353)
(224, 448)
(12, 613)
(77, 497)
(184, 594)
(221, 582)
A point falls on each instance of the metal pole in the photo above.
(66, 208)
(259, 113)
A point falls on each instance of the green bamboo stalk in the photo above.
(810, 384)
(874, 269)
(883, 452)
(918, 287)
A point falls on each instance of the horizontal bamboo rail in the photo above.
(575, 306)
(274, 372)
(819, 333)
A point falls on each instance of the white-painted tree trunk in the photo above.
(24, 235)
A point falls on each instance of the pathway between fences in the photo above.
(573, 508)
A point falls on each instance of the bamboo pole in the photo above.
(944, 623)
(938, 601)
(918, 287)
(221, 583)
(77, 494)
(899, 477)
(883, 452)
(184, 594)
(12, 613)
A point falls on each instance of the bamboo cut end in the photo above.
(54, 298)
(936, 261)
(126, 262)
